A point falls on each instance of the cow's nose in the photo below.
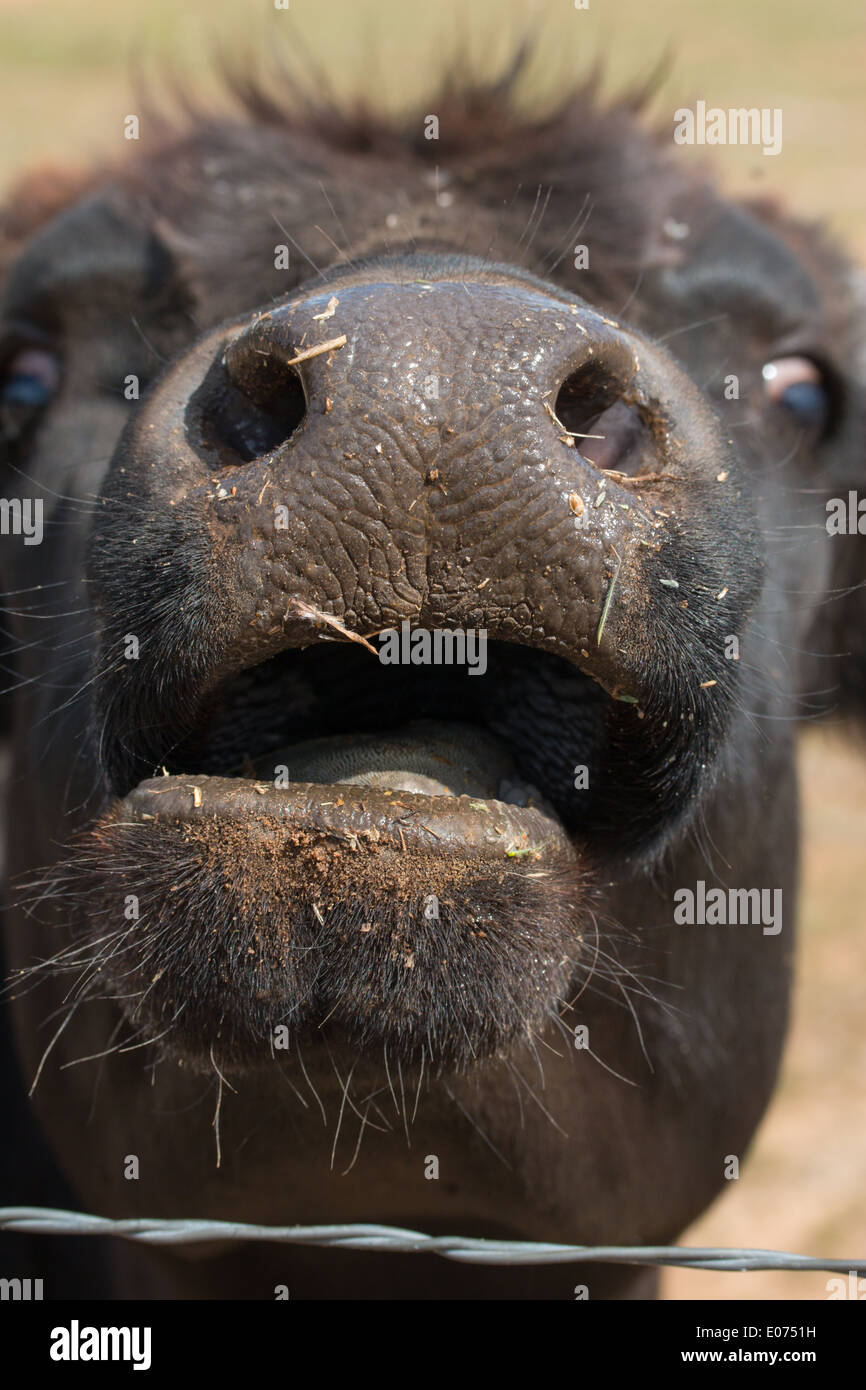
(451, 444)
(428, 361)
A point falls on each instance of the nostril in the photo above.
(248, 404)
(618, 440)
(607, 431)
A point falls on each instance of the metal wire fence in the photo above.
(186, 1231)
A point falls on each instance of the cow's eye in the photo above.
(28, 383)
(30, 378)
(798, 385)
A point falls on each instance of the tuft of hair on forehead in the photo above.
(497, 118)
(523, 171)
(514, 174)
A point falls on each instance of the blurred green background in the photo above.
(67, 77)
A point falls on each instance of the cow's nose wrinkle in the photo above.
(249, 403)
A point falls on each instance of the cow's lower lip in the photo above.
(443, 926)
(430, 787)
(385, 822)
(407, 886)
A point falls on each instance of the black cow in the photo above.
(417, 566)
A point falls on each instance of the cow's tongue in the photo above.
(428, 757)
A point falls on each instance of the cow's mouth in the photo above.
(482, 761)
(402, 853)
(398, 851)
